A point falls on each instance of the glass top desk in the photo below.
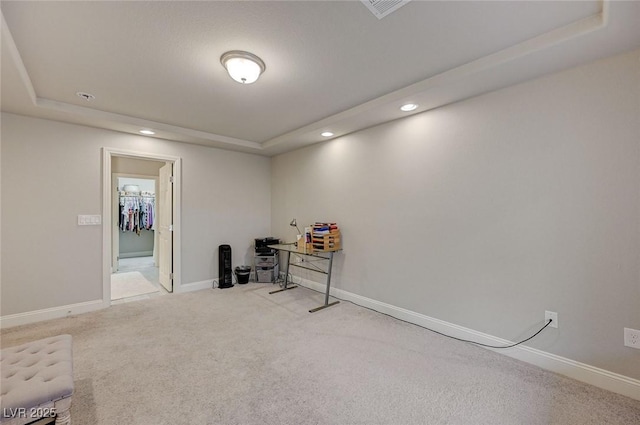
(310, 264)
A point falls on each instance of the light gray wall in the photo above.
(488, 212)
(136, 166)
(49, 261)
(133, 244)
(145, 185)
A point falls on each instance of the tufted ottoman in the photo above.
(37, 381)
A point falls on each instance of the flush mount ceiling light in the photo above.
(147, 132)
(326, 134)
(408, 107)
(244, 67)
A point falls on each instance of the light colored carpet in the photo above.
(130, 284)
(242, 356)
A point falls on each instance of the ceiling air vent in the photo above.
(381, 8)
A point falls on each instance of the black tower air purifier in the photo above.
(224, 266)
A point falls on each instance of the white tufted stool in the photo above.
(37, 381)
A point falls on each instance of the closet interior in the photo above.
(136, 273)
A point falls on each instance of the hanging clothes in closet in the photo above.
(137, 211)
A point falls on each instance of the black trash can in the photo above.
(242, 274)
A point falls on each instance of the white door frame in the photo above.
(107, 222)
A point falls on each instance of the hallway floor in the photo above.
(146, 267)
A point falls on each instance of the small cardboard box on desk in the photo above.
(303, 244)
(304, 248)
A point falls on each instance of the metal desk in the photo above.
(289, 249)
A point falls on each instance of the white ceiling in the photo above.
(331, 65)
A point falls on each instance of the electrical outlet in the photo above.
(631, 338)
(553, 316)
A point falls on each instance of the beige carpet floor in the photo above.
(130, 284)
(242, 356)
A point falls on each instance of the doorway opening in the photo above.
(135, 266)
(141, 206)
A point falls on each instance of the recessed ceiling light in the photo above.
(408, 107)
(147, 132)
(326, 134)
(86, 96)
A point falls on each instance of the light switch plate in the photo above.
(89, 220)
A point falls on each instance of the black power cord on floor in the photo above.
(487, 345)
(443, 334)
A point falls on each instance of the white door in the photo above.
(164, 202)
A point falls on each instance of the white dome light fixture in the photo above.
(147, 132)
(326, 134)
(243, 67)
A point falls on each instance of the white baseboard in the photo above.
(194, 286)
(579, 371)
(84, 307)
(135, 254)
(51, 313)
